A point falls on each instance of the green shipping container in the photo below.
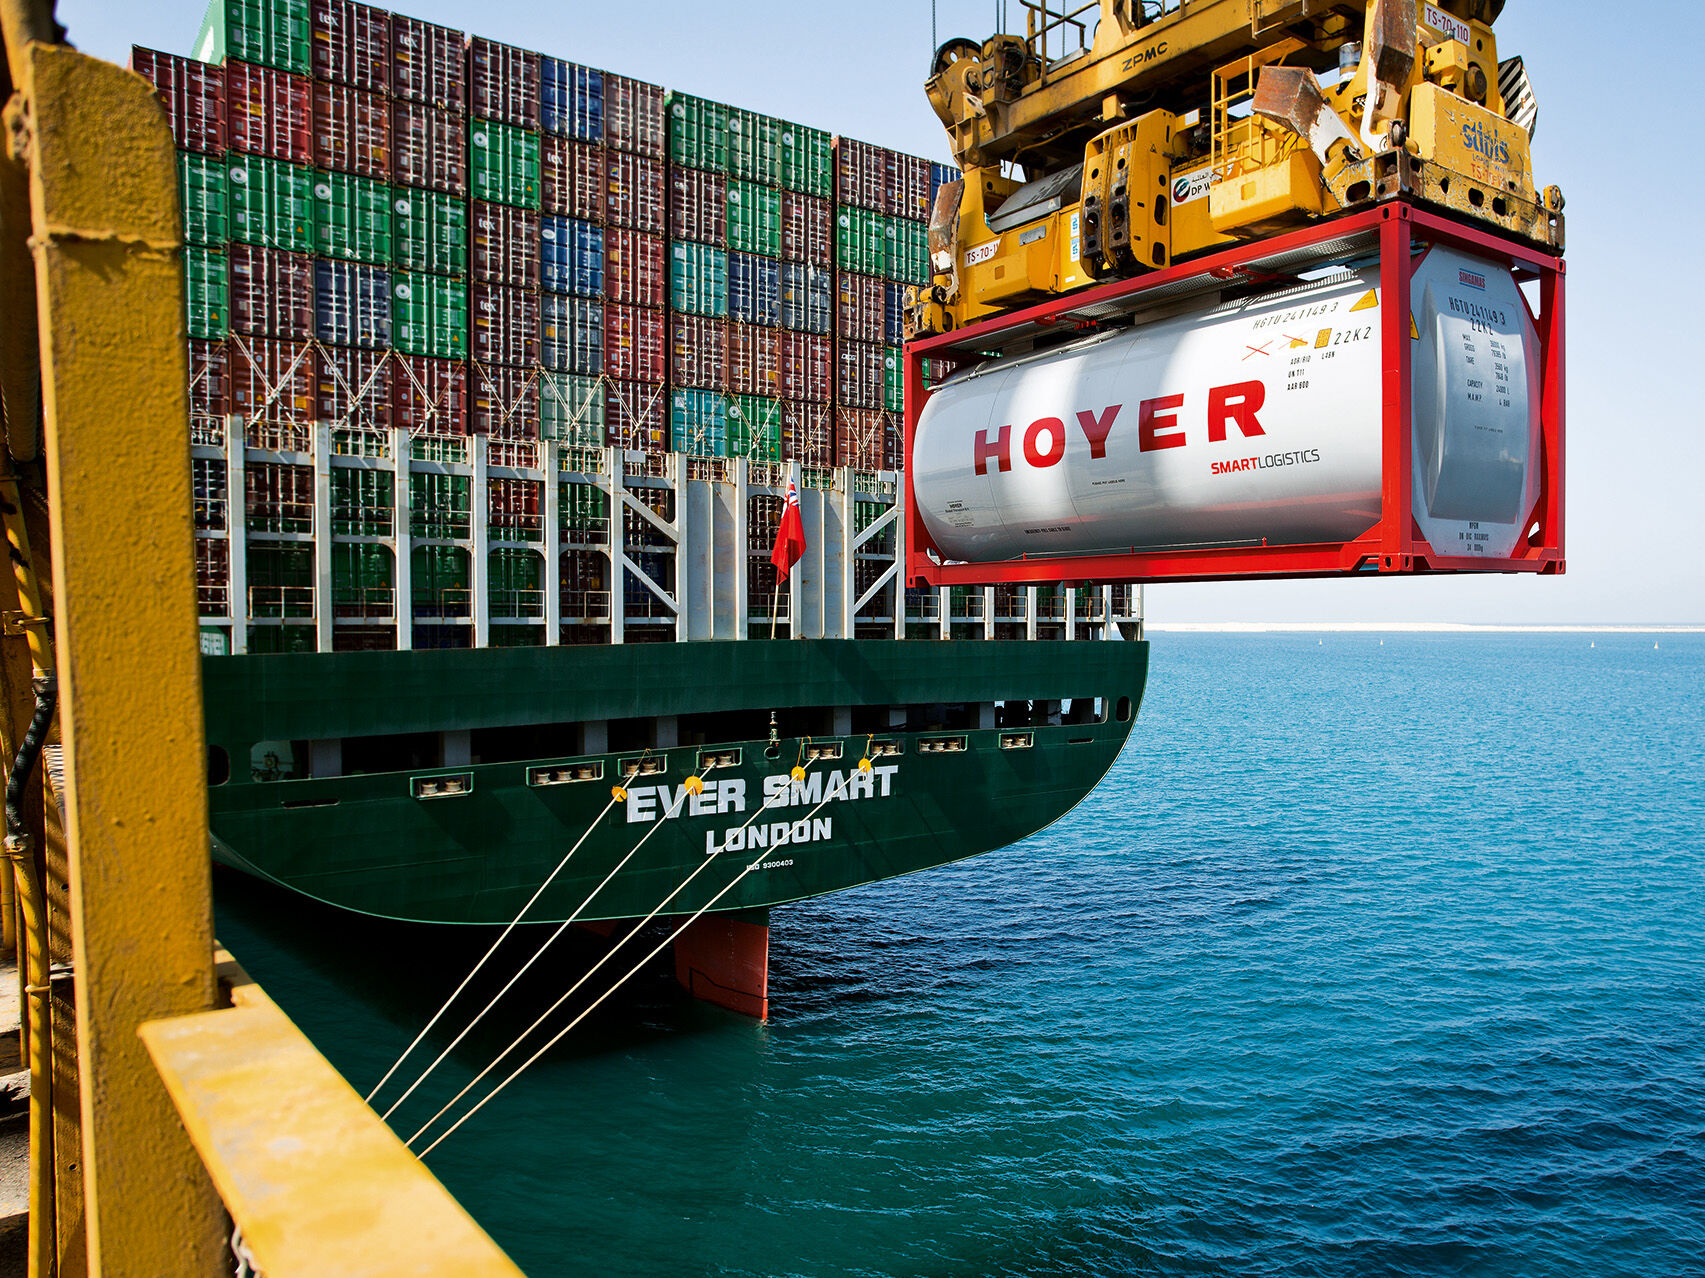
(584, 508)
(572, 409)
(274, 33)
(352, 218)
(437, 571)
(753, 154)
(893, 380)
(754, 428)
(805, 161)
(203, 190)
(754, 219)
(359, 572)
(362, 502)
(429, 232)
(698, 133)
(503, 164)
(439, 506)
(861, 244)
(429, 315)
(272, 203)
(913, 266)
(207, 293)
(698, 279)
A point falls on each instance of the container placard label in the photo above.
(982, 253)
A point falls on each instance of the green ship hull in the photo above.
(445, 787)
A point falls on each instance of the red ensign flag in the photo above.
(790, 536)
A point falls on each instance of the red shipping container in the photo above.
(572, 181)
(503, 83)
(859, 436)
(752, 360)
(861, 175)
(633, 343)
(275, 491)
(429, 396)
(636, 415)
(503, 402)
(273, 381)
(352, 131)
(861, 308)
(633, 268)
(858, 375)
(802, 360)
(269, 112)
(428, 149)
(505, 245)
(698, 352)
(907, 186)
(633, 115)
(352, 45)
(807, 434)
(512, 505)
(805, 222)
(505, 325)
(209, 380)
(698, 206)
(635, 189)
(428, 64)
(272, 292)
(354, 388)
(193, 94)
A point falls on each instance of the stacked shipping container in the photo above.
(389, 224)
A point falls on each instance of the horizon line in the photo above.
(1419, 627)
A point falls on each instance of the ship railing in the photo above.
(206, 431)
(581, 459)
(766, 474)
(449, 450)
(642, 603)
(517, 603)
(586, 605)
(364, 521)
(1125, 602)
(514, 526)
(710, 470)
(268, 515)
(640, 465)
(1092, 608)
(211, 512)
(213, 599)
(591, 530)
(364, 602)
(1050, 607)
(279, 437)
(449, 602)
(281, 601)
(361, 441)
(868, 483)
(971, 607)
(1012, 605)
(822, 477)
(923, 606)
(520, 454)
(442, 525)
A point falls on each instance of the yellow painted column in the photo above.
(110, 308)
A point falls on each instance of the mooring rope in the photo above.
(687, 791)
(798, 773)
(616, 796)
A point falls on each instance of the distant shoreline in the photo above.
(1407, 627)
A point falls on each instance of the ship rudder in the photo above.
(724, 959)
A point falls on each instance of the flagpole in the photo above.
(775, 604)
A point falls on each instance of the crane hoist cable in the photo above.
(798, 774)
(694, 785)
(617, 795)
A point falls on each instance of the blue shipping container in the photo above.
(939, 176)
(352, 304)
(698, 422)
(571, 257)
(571, 334)
(754, 289)
(571, 100)
(893, 314)
(805, 298)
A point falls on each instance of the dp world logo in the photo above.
(1192, 186)
(1180, 189)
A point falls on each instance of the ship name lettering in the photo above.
(647, 802)
(777, 834)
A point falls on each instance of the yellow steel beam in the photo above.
(320, 1187)
(103, 204)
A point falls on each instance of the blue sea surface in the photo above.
(1373, 954)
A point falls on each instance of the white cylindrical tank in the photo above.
(1257, 422)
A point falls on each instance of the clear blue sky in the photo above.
(1613, 113)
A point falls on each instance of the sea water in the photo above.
(1374, 954)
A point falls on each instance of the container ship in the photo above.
(506, 373)
(501, 368)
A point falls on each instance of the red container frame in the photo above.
(1394, 545)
